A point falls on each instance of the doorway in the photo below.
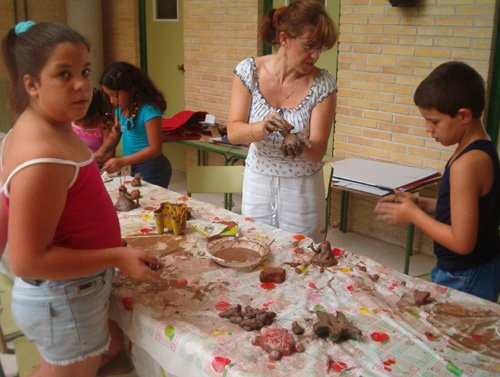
(165, 50)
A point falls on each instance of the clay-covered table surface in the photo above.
(175, 329)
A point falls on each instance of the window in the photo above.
(165, 10)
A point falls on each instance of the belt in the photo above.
(33, 282)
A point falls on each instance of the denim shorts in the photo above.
(157, 171)
(482, 281)
(67, 320)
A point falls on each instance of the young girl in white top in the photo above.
(63, 233)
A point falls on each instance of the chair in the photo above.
(27, 356)
(8, 329)
(327, 179)
(215, 179)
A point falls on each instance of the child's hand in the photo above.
(113, 165)
(139, 264)
(396, 209)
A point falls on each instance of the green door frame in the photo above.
(143, 46)
(493, 116)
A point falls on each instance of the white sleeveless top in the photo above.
(265, 156)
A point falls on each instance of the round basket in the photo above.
(238, 252)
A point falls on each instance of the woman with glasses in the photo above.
(283, 183)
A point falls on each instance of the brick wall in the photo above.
(217, 35)
(384, 52)
(120, 31)
(46, 11)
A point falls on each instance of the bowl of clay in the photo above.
(238, 252)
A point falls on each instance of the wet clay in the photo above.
(335, 327)
(297, 329)
(127, 201)
(323, 256)
(237, 254)
(249, 318)
(136, 181)
(272, 275)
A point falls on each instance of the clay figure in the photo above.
(272, 275)
(136, 181)
(335, 327)
(127, 201)
(421, 297)
(249, 318)
(297, 329)
(277, 342)
(323, 255)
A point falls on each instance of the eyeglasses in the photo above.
(309, 47)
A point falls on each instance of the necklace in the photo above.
(287, 96)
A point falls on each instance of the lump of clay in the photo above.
(249, 318)
(136, 181)
(277, 342)
(323, 255)
(272, 275)
(335, 327)
(421, 297)
(127, 201)
(297, 329)
(416, 297)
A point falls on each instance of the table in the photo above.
(373, 178)
(231, 153)
(175, 330)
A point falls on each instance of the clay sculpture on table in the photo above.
(272, 275)
(136, 181)
(415, 297)
(127, 201)
(335, 327)
(297, 329)
(277, 342)
(323, 256)
(249, 318)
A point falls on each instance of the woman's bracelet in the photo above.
(251, 132)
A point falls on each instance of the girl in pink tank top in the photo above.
(94, 127)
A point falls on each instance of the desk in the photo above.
(373, 178)
(175, 329)
(231, 153)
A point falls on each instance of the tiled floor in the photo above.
(382, 252)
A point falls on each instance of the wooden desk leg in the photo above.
(344, 206)
(410, 232)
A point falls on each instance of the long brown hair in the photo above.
(27, 53)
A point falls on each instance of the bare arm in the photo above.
(153, 150)
(36, 210)
(111, 140)
(320, 127)
(470, 177)
(3, 225)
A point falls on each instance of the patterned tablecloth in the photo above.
(175, 330)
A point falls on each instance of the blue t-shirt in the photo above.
(134, 136)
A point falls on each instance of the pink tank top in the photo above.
(89, 219)
(92, 137)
